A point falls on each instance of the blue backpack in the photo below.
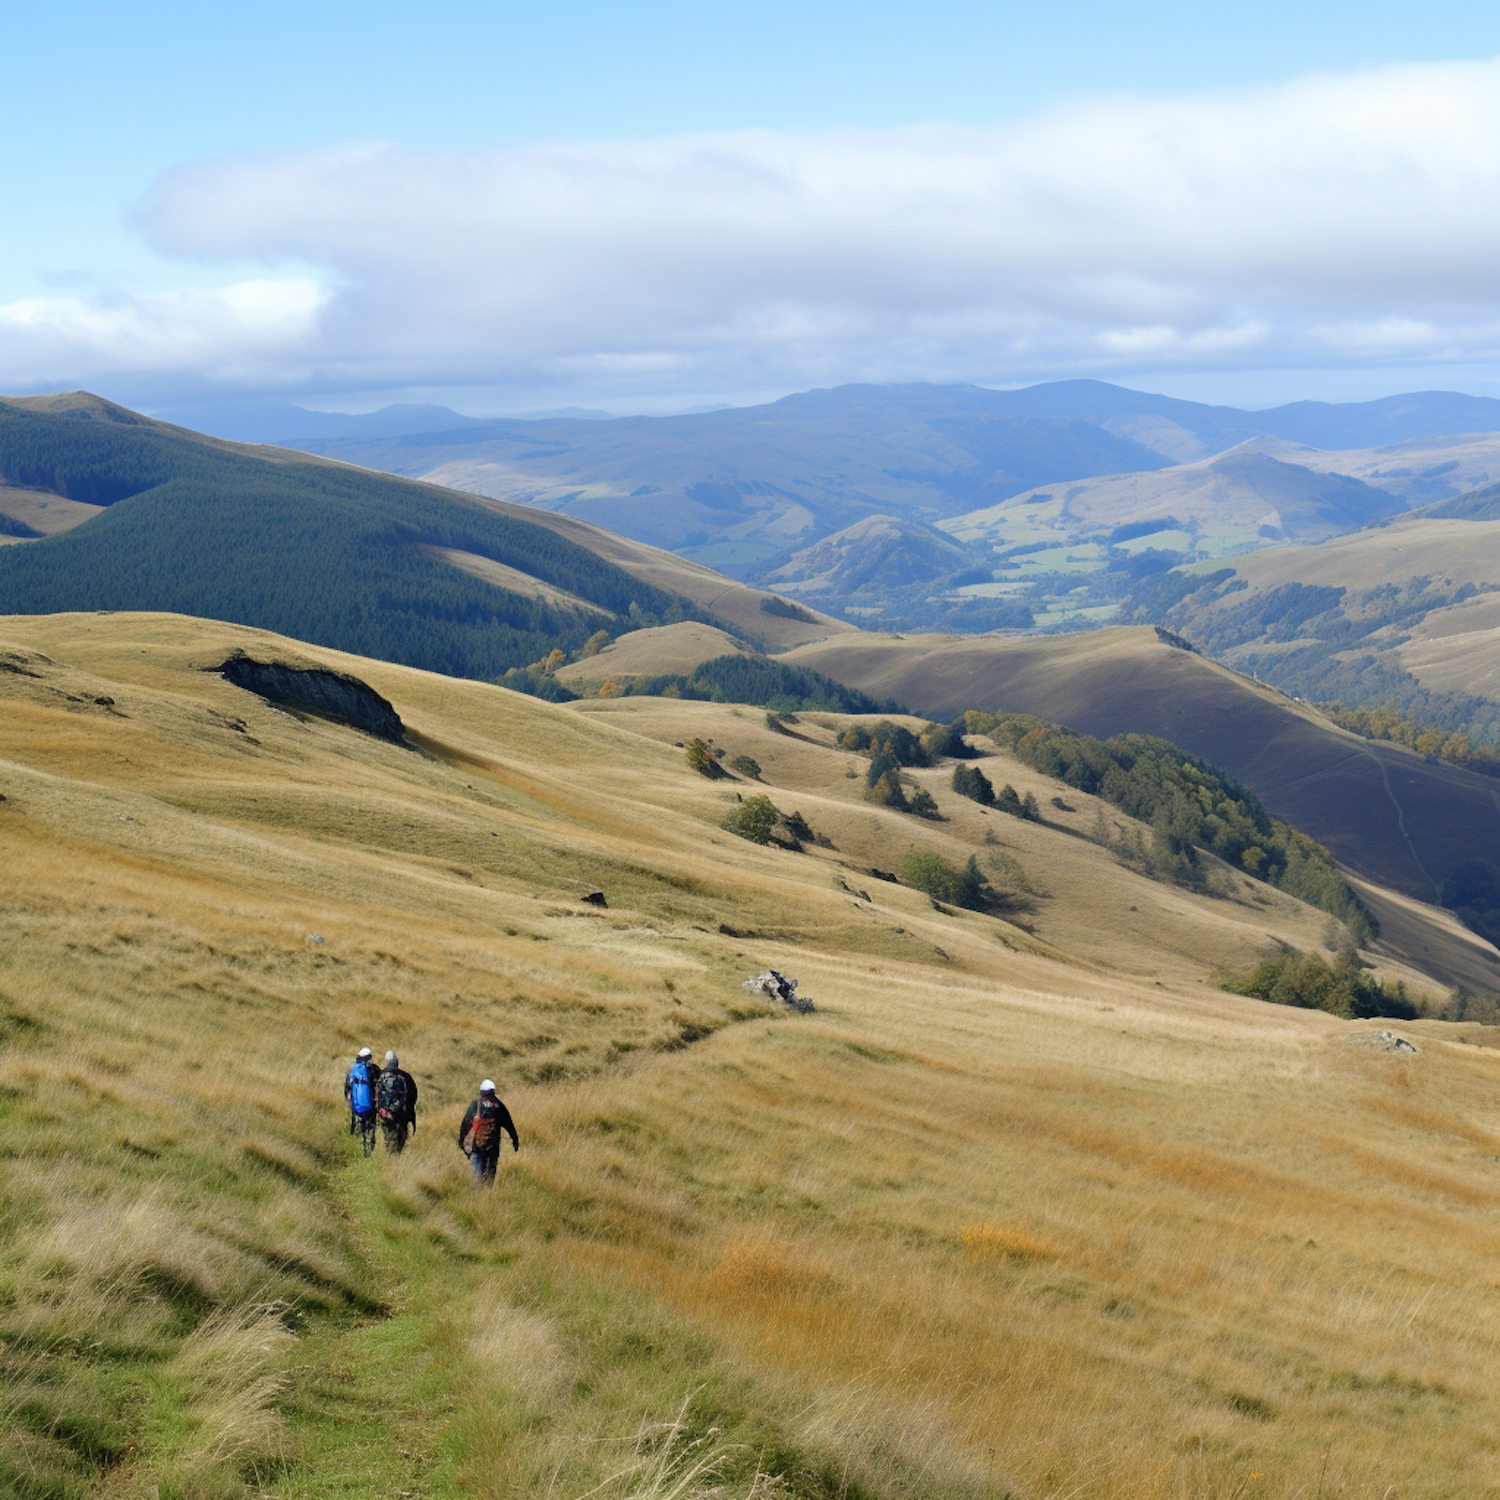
(361, 1094)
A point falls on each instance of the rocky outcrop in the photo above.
(779, 990)
(335, 695)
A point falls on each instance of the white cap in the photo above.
(390, 1057)
(364, 1051)
(488, 1086)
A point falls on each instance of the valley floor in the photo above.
(1027, 1207)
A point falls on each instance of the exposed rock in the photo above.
(334, 694)
(778, 989)
(1386, 1041)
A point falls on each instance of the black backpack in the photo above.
(391, 1097)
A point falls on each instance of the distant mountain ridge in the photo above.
(745, 490)
(1139, 415)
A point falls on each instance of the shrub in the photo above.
(703, 758)
(888, 792)
(746, 766)
(800, 828)
(945, 882)
(1009, 800)
(755, 819)
(924, 805)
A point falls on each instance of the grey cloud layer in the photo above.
(1332, 220)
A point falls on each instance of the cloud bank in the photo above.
(1335, 220)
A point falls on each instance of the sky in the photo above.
(507, 207)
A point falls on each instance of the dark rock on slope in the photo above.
(335, 695)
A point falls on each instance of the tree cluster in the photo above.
(946, 882)
(1311, 983)
(1390, 723)
(971, 782)
(768, 684)
(758, 819)
(1188, 803)
(906, 747)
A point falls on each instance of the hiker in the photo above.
(396, 1103)
(479, 1135)
(359, 1090)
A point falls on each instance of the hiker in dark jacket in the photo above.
(479, 1135)
(396, 1103)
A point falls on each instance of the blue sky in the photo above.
(318, 202)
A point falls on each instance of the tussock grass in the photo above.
(992, 1221)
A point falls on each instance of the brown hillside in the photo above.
(988, 1222)
(734, 603)
(662, 650)
(1383, 813)
(1459, 551)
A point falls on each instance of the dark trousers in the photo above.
(395, 1135)
(484, 1164)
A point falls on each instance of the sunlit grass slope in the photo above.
(1005, 1216)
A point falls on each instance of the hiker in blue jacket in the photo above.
(359, 1089)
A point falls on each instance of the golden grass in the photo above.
(988, 1222)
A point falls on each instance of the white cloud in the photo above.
(240, 333)
(1334, 220)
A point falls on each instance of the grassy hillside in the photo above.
(1168, 1242)
(1384, 813)
(769, 620)
(1233, 502)
(1333, 622)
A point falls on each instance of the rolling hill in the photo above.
(734, 488)
(117, 511)
(1389, 816)
(1234, 502)
(753, 491)
(1419, 472)
(871, 559)
(1013, 1211)
(1399, 613)
(750, 482)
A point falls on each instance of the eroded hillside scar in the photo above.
(333, 695)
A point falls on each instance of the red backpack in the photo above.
(482, 1131)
